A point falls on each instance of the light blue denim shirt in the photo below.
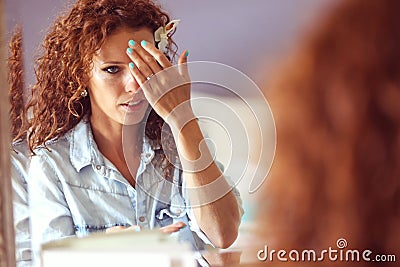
(19, 158)
(75, 190)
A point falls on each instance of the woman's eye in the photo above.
(111, 69)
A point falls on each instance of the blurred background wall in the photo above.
(247, 35)
(250, 36)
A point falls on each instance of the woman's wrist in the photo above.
(178, 118)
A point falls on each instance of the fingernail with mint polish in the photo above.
(143, 43)
(131, 65)
(187, 53)
(131, 42)
(129, 50)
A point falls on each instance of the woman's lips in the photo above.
(133, 106)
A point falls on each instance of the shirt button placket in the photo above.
(100, 169)
(141, 203)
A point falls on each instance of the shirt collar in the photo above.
(84, 151)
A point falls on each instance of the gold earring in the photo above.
(84, 93)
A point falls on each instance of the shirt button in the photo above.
(148, 155)
(141, 218)
(178, 211)
(98, 167)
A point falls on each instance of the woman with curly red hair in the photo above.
(104, 158)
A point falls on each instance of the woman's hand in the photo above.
(166, 87)
(115, 229)
(169, 229)
(172, 228)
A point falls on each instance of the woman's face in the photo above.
(115, 96)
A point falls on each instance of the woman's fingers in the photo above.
(137, 74)
(172, 228)
(144, 67)
(182, 65)
(169, 229)
(146, 63)
(149, 60)
(149, 49)
(115, 229)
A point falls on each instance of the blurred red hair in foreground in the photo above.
(336, 105)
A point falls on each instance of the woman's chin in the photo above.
(132, 121)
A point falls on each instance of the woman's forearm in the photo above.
(215, 205)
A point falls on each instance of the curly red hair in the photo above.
(16, 90)
(62, 70)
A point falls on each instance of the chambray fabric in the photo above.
(75, 190)
(19, 158)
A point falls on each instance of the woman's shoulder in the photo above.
(19, 159)
(54, 145)
(19, 149)
(78, 134)
(74, 149)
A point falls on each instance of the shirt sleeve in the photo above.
(50, 216)
(21, 210)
